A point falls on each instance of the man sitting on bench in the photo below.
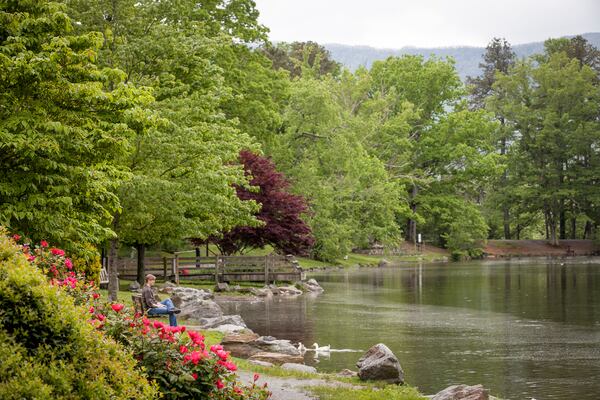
(156, 308)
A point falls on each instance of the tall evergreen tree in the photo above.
(498, 58)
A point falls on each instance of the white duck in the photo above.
(301, 348)
(323, 349)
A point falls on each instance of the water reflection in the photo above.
(523, 330)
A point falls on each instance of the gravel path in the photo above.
(289, 388)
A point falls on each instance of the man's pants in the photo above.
(168, 310)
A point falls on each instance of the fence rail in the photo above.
(217, 268)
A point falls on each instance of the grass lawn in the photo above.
(389, 392)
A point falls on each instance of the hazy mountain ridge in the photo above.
(467, 58)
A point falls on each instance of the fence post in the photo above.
(165, 268)
(266, 270)
(177, 269)
(217, 262)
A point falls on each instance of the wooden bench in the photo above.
(103, 277)
(138, 305)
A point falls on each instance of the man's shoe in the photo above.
(175, 311)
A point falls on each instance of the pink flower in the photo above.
(219, 384)
(117, 307)
(100, 317)
(256, 376)
(43, 243)
(229, 365)
(16, 237)
(146, 321)
(68, 263)
(158, 325)
(196, 338)
(195, 376)
(91, 310)
(222, 354)
(31, 258)
(216, 347)
(57, 252)
(183, 349)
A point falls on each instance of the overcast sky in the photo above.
(426, 23)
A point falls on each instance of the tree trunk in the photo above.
(141, 269)
(113, 273)
(573, 228)
(587, 230)
(197, 257)
(562, 221)
(505, 210)
(506, 223)
(411, 232)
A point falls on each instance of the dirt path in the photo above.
(289, 388)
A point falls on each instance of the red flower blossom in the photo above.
(183, 349)
(195, 376)
(95, 295)
(43, 243)
(100, 317)
(158, 325)
(16, 237)
(219, 384)
(146, 321)
(256, 376)
(117, 307)
(57, 252)
(91, 310)
(68, 263)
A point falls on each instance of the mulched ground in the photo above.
(537, 248)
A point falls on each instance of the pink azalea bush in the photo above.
(175, 358)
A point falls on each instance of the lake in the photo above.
(523, 329)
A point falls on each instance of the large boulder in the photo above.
(276, 358)
(273, 345)
(462, 392)
(216, 322)
(198, 309)
(311, 285)
(379, 363)
(240, 344)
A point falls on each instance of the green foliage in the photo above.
(48, 349)
(63, 122)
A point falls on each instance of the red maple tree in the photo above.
(281, 213)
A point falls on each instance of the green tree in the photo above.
(498, 58)
(295, 56)
(552, 107)
(184, 165)
(64, 124)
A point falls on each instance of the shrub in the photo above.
(47, 347)
(175, 358)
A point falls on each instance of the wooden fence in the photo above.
(176, 268)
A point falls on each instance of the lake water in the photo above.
(522, 329)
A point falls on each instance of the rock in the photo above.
(261, 363)
(169, 285)
(311, 286)
(191, 293)
(379, 363)
(208, 323)
(264, 292)
(228, 328)
(299, 368)
(273, 345)
(222, 287)
(289, 291)
(274, 289)
(240, 344)
(198, 309)
(384, 263)
(347, 373)
(276, 358)
(462, 392)
(134, 286)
